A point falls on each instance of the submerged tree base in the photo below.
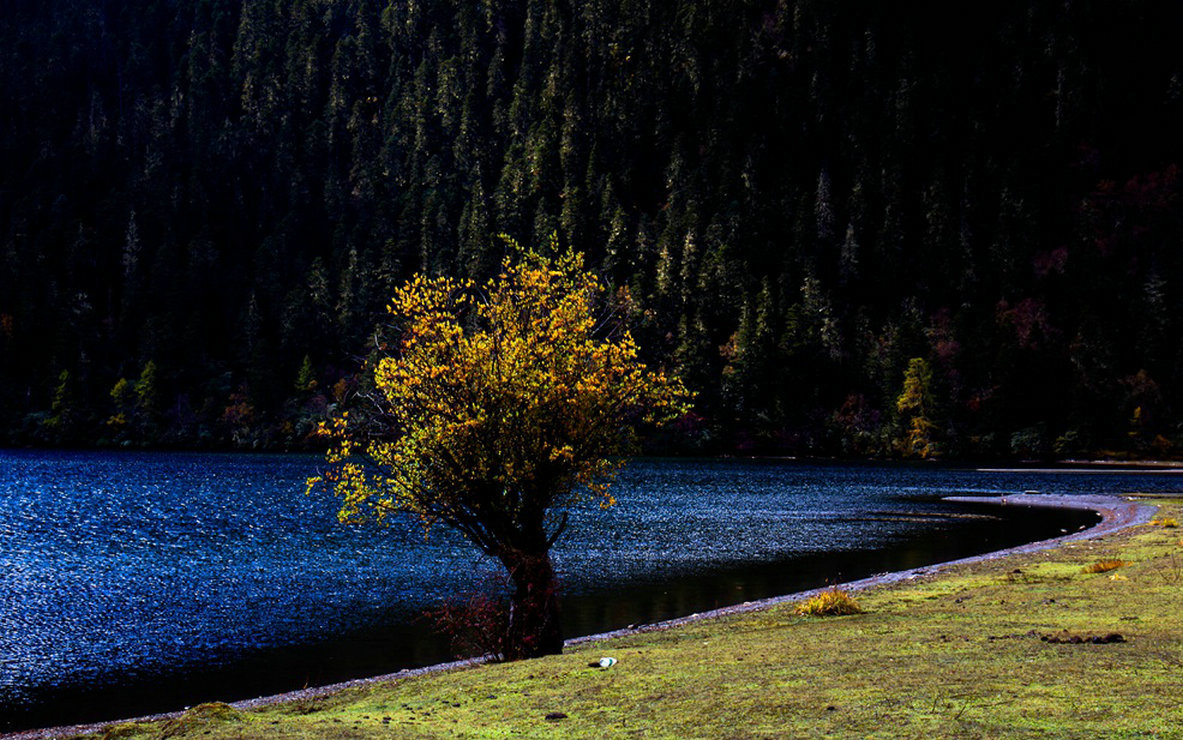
(534, 627)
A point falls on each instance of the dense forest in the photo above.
(855, 227)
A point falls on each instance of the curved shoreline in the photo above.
(1117, 513)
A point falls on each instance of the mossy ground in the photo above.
(956, 654)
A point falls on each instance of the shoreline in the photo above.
(1117, 513)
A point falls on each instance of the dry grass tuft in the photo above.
(828, 604)
(1104, 566)
(1169, 522)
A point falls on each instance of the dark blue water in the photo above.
(145, 582)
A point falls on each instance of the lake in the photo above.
(143, 582)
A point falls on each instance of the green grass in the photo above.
(956, 654)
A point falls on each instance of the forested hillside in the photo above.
(856, 227)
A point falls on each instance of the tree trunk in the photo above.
(534, 606)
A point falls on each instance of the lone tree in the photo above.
(497, 409)
(915, 405)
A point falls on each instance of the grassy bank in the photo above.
(984, 649)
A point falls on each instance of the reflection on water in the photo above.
(146, 582)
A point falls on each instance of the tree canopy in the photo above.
(496, 408)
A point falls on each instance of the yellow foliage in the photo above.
(498, 402)
(1104, 566)
(913, 404)
(832, 602)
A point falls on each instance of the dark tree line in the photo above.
(857, 228)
